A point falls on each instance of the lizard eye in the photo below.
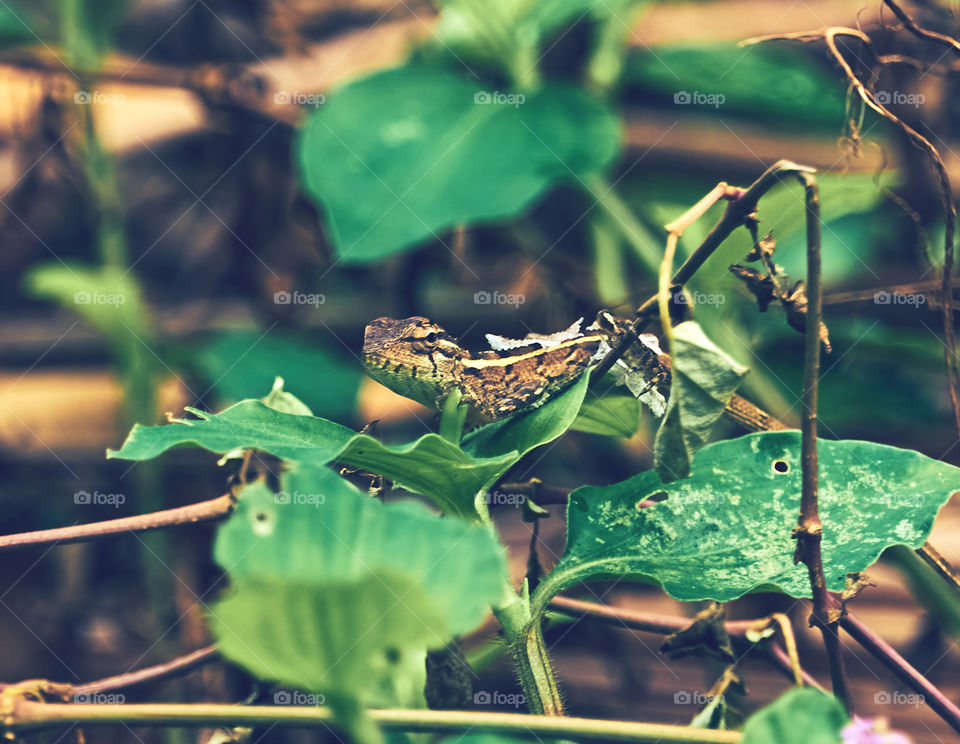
(431, 338)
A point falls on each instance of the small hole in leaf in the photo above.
(654, 498)
(263, 522)
(781, 466)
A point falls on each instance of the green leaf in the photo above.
(249, 424)
(430, 466)
(107, 297)
(319, 600)
(703, 379)
(242, 364)
(611, 416)
(402, 155)
(776, 84)
(799, 716)
(726, 530)
(280, 400)
(530, 429)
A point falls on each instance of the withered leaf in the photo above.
(764, 247)
(705, 636)
(761, 286)
(795, 303)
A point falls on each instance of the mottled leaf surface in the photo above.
(726, 530)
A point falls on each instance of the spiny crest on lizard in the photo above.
(417, 358)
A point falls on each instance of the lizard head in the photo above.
(414, 357)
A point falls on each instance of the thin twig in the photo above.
(809, 531)
(172, 668)
(650, 622)
(888, 656)
(829, 36)
(913, 28)
(742, 202)
(204, 511)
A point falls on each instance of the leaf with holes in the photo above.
(726, 530)
(319, 599)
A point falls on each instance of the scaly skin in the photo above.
(420, 360)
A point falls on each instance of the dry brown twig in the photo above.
(829, 35)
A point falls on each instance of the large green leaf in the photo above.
(611, 415)
(319, 600)
(430, 466)
(703, 379)
(775, 83)
(397, 157)
(799, 716)
(727, 529)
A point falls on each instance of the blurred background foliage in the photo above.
(258, 180)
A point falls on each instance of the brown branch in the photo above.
(650, 622)
(173, 668)
(888, 656)
(742, 202)
(922, 33)
(829, 35)
(204, 511)
(809, 531)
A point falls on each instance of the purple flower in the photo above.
(872, 731)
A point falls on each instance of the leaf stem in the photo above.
(24, 715)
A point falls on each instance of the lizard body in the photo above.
(420, 360)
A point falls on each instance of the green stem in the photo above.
(452, 417)
(28, 715)
(526, 644)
